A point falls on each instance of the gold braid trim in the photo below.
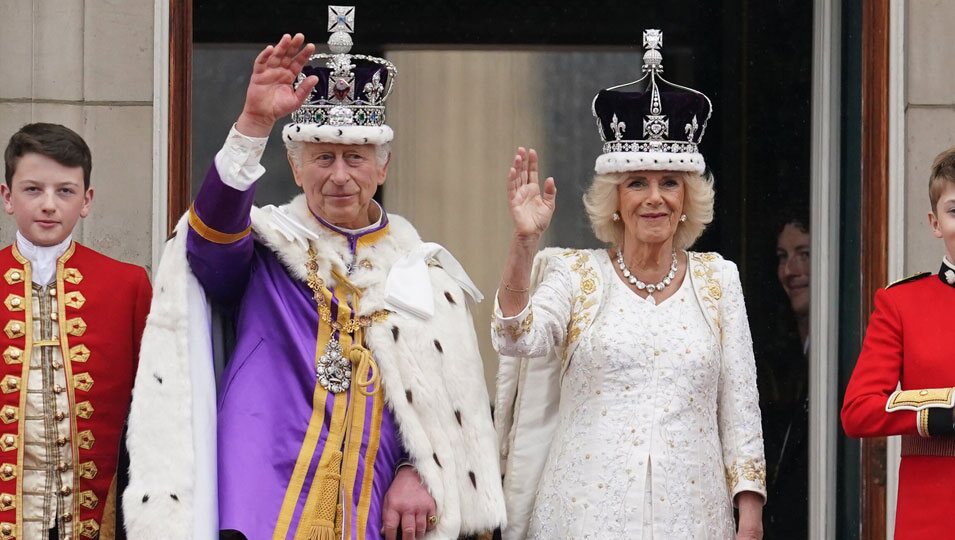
(212, 235)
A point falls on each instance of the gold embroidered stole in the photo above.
(329, 505)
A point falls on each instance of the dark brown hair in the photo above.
(59, 143)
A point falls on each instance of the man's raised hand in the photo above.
(270, 95)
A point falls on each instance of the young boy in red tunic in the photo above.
(70, 326)
(910, 345)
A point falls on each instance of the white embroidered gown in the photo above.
(646, 404)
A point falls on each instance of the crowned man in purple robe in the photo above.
(353, 403)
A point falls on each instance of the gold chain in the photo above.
(317, 284)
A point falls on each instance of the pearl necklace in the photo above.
(650, 287)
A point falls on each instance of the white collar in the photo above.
(42, 258)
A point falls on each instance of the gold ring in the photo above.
(432, 520)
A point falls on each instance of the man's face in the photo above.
(793, 255)
(339, 181)
(943, 219)
(46, 199)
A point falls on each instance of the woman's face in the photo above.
(651, 203)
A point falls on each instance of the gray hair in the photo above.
(602, 199)
(295, 149)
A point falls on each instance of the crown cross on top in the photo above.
(653, 58)
(341, 19)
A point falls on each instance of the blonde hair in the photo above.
(943, 173)
(601, 201)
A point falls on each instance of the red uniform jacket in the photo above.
(910, 340)
(102, 306)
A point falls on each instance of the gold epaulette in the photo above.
(913, 277)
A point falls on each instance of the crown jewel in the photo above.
(635, 125)
(351, 89)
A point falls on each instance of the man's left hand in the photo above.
(407, 506)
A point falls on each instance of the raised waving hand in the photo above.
(270, 95)
(531, 204)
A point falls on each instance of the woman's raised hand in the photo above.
(531, 204)
(270, 95)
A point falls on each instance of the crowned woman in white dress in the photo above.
(627, 403)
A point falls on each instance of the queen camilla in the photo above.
(627, 403)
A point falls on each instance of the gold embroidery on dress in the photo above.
(709, 287)
(580, 314)
(752, 470)
(516, 329)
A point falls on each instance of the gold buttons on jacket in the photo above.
(14, 303)
(66, 491)
(57, 389)
(89, 528)
(7, 502)
(67, 517)
(61, 441)
(74, 299)
(52, 291)
(83, 381)
(84, 409)
(72, 275)
(88, 499)
(86, 439)
(88, 470)
(54, 316)
(8, 414)
(9, 384)
(76, 326)
(13, 355)
(6, 531)
(8, 471)
(8, 442)
(62, 466)
(59, 416)
(14, 329)
(13, 276)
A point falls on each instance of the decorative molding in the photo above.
(824, 316)
(896, 211)
(160, 185)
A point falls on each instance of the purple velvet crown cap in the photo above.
(651, 123)
(679, 104)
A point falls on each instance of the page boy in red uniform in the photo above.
(70, 325)
(904, 381)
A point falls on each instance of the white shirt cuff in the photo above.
(238, 160)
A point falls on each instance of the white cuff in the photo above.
(238, 160)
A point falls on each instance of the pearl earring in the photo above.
(616, 216)
(683, 218)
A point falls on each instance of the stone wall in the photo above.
(88, 64)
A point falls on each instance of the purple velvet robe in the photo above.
(266, 396)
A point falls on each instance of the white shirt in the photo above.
(42, 258)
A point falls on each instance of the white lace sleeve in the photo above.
(542, 324)
(741, 430)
